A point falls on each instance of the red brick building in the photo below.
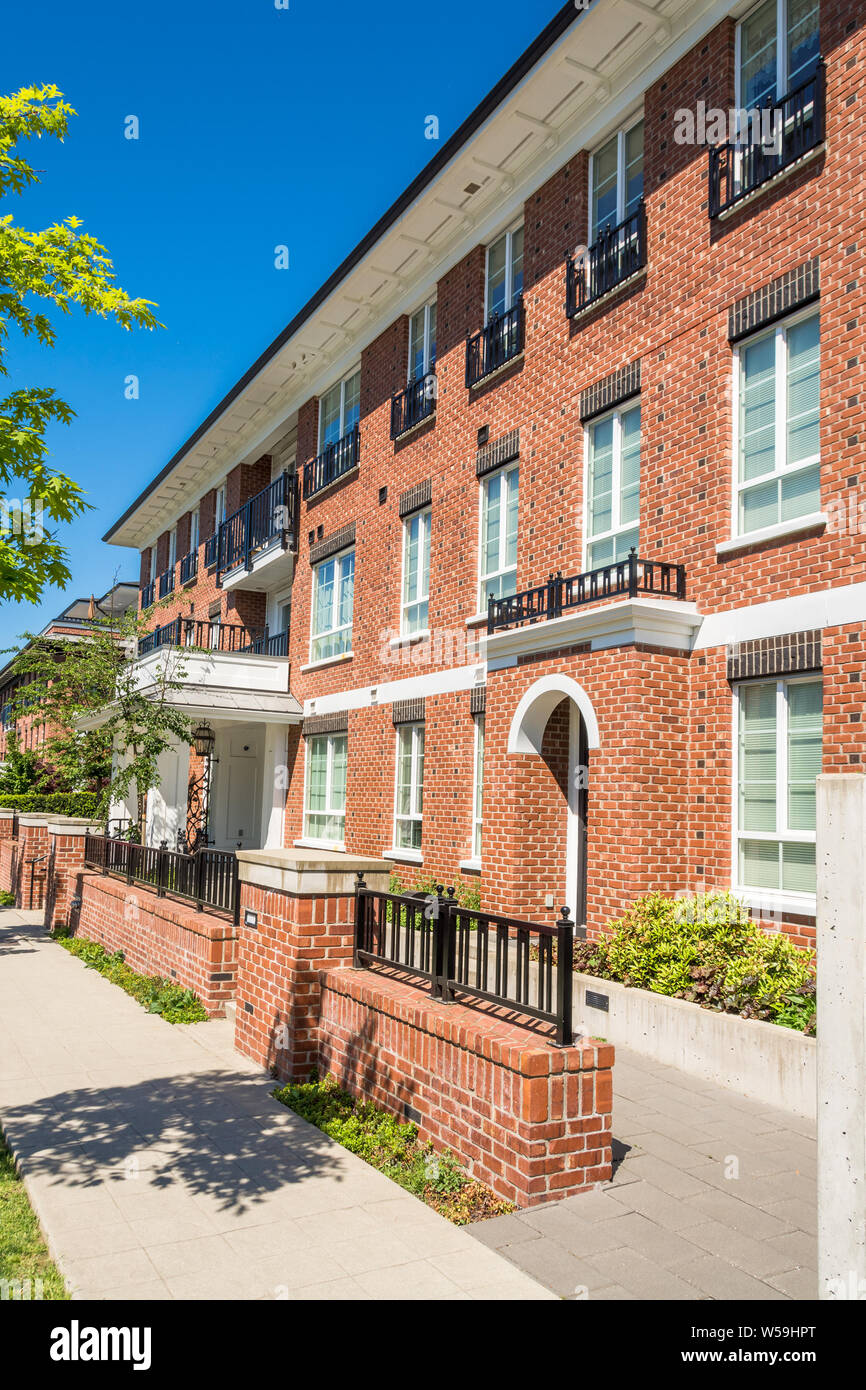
(580, 611)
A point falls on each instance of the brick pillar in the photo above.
(303, 902)
(8, 852)
(34, 848)
(66, 859)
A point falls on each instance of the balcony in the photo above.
(211, 548)
(165, 582)
(627, 579)
(617, 255)
(148, 594)
(413, 405)
(259, 536)
(739, 168)
(498, 343)
(189, 567)
(333, 462)
(200, 634)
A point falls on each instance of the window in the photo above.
(616, 180)
(152, 571)
(422, 342)
(778, 428)
(172, 547)
(504, 271)
(325, 806)
(416, 573)
(340, 409)
(778, 47)
(333, 588)
(410, 786)
(499, 501)
(779, 757)
(612, 487)
(219, 507)
(193, 530)
(478, 788)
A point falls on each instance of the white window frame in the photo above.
(508, 234)
(616, 483)
(621, 133)
(194, 529)
(153, 562)
(781, 468)
(335, 606)
(342, 383)
(477, 840)
(781, 898)
(417, 731)
(329, 787)
(424, 516)
(219, 506)
(428, 365)
(172, 548)
(782, 75)
(500, 474)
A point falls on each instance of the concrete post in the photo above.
(841, 932)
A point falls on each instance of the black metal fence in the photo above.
(268, 518)
(466, 954)
(416, 402)
(211, 549)
(214, 636)
(208, 878)
(619, 253)
(795, 126)
(499, 341)
(189, 567)
(335, 459)
(148, 594)
(629, 578)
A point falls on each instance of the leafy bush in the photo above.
(708, 950)
(62, 803)
(394, 1148)
(7, 899)
(468, 895)
(171, 1001)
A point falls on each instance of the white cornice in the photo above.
(653, 622)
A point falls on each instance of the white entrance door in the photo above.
(238, 790)
(578, 780)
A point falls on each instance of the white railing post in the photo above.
(841, 931)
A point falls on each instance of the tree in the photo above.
(64, 267)
(22, 770)
(90, 694)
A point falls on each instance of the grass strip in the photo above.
(171, 1001)
(26, 1268)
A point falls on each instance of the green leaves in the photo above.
(67, 268)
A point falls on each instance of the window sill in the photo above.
(338, 847)
(470, 866)
(477, 620)
(771, 533)
(327, 661)
(778, 178)
(332, 485)
(497, 371)
(409, 639)
(774, 903)
(404, 856)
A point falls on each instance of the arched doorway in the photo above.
(555, 721)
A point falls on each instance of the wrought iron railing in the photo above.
(332, 463)
(205, 635)
(211, 549)
(739, 167)
(166, 582)
(148, 594)
(189, 567)
(617, 254)
(484, 957)
(209, 878)
(267, 519)
(416, 402)
(629, 578)
(499, 341)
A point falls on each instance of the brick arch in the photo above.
(526, 734)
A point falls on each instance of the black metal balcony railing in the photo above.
(618, 253)
(189, 567)
(739, 167)
(148, 594)
(498, 342)
(335, 459)
(630, 578)
(209, 878)
(166, 582)
(416, 402)
(211, 549)
(216, 637)
(268, 519)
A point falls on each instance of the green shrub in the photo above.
(7, 899)
(708, 950)
(171, 1001)
(61, 803)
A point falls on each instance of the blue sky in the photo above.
(258, 127)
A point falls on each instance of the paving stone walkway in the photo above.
(161, 1168)
(713, 1197)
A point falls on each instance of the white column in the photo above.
(841, 926)
(274, 785)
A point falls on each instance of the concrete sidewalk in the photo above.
(160, 1167)
(713, 1197)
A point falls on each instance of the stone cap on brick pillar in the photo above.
(6, 814)
(36, 817)
(71, 825)
(305, 871)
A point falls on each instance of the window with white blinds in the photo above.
(416, 573)
(499, 513)
(612, 487)
(778, 425)
(325, 808)
(778, 758)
